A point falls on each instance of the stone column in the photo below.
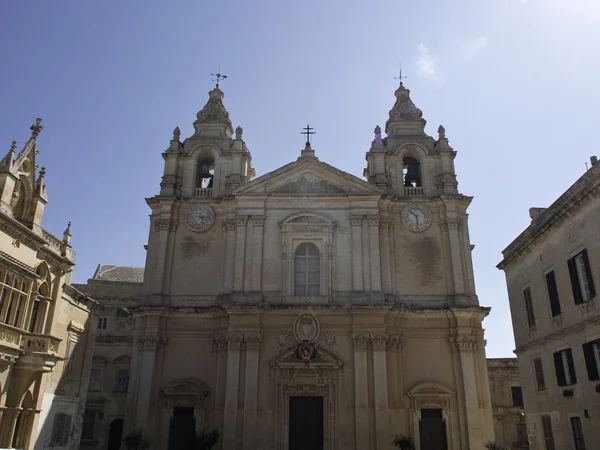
(221, 374)
(149, 344)
(361, 392)
(240, 250)
(234, 342)
(451, 226)
(366, 257)
(162, 227)
(467, 347)
(7, 429)
(357, 275)
(169, 251)
(375, 256)
(257, 251)
(251, 391)
(382, 430)
(229, 231)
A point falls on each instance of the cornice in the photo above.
(568, 203)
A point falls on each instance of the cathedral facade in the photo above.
(306, 308)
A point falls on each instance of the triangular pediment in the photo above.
(323, 359)
(307, 177)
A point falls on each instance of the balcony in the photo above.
(40, 352)
(203, 192)
(413, 191)
(10, 342)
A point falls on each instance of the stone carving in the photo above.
(239, 131)
(165, 225)
(168, 180)
(253, 341)
(306, 389)
(446, 179)
(176, 134)
(234, 341)
(404, 109)
(306, 328)
(356, 220)
(258, 221)
(283, 334)
(306, 351)
(10, 337)
(310, 228)
(466, 344)
(330, 337)
(395, 342)
(377, 132)
(360, 341)
(441, 132)
(373, 221)
(241, 221)
(192, 248)
(151, 342)
(308, 185)
(228, 225)
(200, 217)
(450, 224)
(379, 342)
(214, 108)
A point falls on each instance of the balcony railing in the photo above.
(40, 343)
(10, 337)
(413, 191)
(203, 192)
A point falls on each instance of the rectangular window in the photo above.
(565, 369)
(122, 380)
(95, 379)
(521, 433)
(517, 396)
(14, 293)
(61, 430)
(548, 434)
(102, 323)
(539, 374)
(582, 283)
(553, 294)
(529, 308)
(577, 433)
(591, 351)
(87, 428)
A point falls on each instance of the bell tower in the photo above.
(211, 162)
(408, 162)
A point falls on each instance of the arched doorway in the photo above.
(115, 434)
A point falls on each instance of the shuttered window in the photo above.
(565, 369)
(553, 294)
(591, 351)
(529, 308)
(61, 430)
(548, 434)
(521, 433)
(577, 433)
(539, 374)
(582, 283)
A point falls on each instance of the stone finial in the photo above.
(67, 235)
(239, 131)
(36, 128)
(43, 172)
(13, 145)
(442, 132)
(377, 132)
(176, 134)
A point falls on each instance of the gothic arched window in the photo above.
(307, 270)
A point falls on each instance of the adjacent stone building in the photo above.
(552, 270)
(45, 342)
(507, 403)
(306, 308)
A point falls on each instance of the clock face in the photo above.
(416, 217)
(200, 217)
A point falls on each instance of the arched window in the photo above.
(206, 172)
(307, 270)
(411, 172)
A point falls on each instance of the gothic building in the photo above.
(45, 342)
(305, 308)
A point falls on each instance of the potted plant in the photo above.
(136, 441)
(403, 442)
(206, 440)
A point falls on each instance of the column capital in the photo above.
(373, 220)
(258, 221)
(380, 342)
(165, 225)
(395, 342)
(356, 220)
(241, 221)
(151, 342)
(450, 224)
(464, 343)
(234, 341)
(228, 225)
(253, 341)
(360, 341)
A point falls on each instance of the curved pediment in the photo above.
(188, 386)
(305, 218)
(430, 390)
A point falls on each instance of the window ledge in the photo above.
(588, 306)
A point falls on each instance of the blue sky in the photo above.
(514, 83)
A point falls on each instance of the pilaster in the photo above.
(229, 226)
(366, 256)
(375, 263)
(382, 431)
(357, 275)
(240, 250)
(361, 390)
(251, 390)
(234, 342)
(150, 344)
(451, 227)
(384, 246)
(258, 223)
(163, 227)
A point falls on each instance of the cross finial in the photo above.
(400, 77)
(218, 76)
(307, 132)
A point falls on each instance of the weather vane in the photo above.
(307, 132)
(400, 77)
(218, 76)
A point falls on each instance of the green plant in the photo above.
(493, 446)
(403, 442)
(135, 441)
(206, 440)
